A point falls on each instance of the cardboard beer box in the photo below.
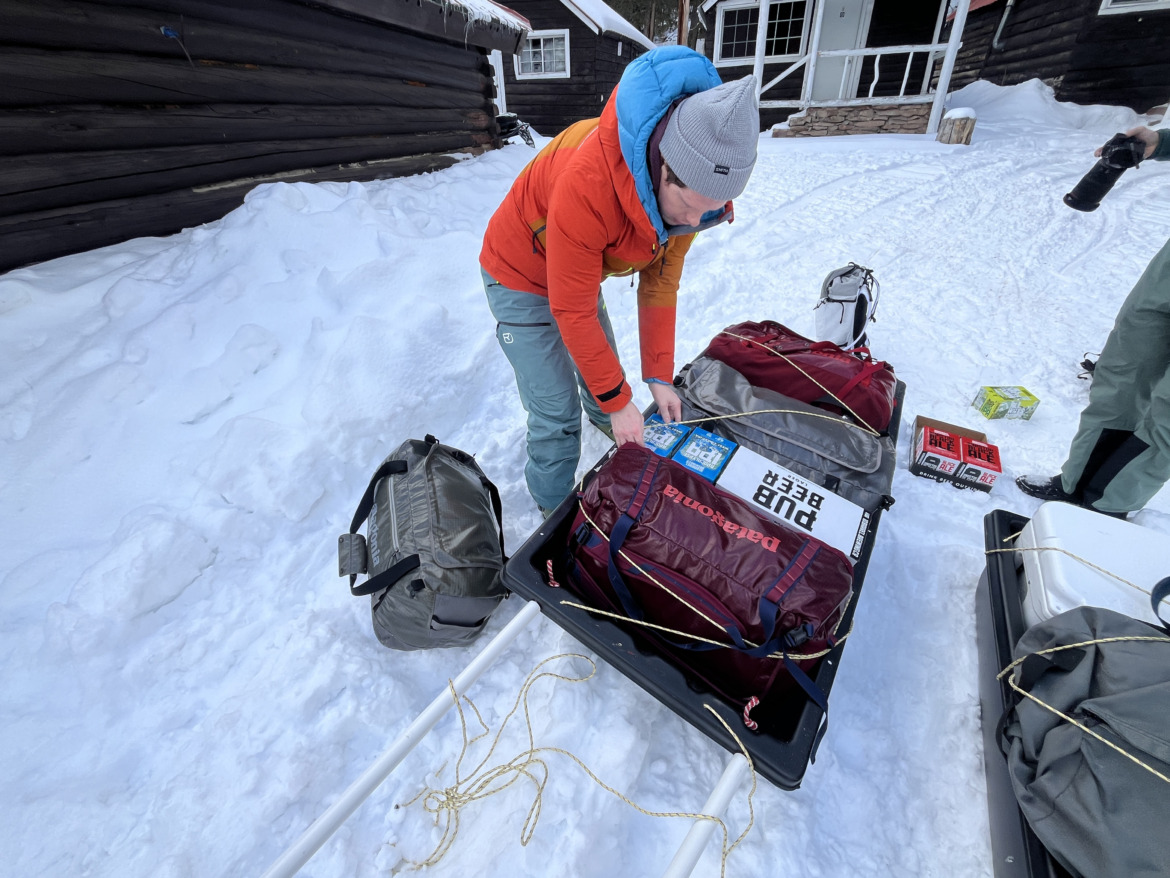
(796, 501)
(937, 452)
(981, 465)
(662, 438)
(949, 453)
(704, 453)
(1005, 402)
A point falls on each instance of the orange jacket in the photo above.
(572, 218)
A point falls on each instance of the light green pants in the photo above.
(551, 389)
(1120, 456)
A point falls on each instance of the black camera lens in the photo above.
(1118, 155)
(1094, 186)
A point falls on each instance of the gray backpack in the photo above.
(434, 550)
(847, 303)
(830, 451)
(1097, 811)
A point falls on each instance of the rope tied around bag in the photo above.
(692, 608)
(1011, 681)
(861, 422)
(1012, 678)
(448, 803)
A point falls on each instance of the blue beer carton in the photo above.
(704, 453)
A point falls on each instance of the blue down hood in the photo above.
(649, 85)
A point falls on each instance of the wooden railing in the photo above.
(853, 57)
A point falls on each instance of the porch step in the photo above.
(878, 119)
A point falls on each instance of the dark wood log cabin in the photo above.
(569, 62)
(120, 120)
(1089, 51)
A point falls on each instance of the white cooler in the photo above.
(1057, 582)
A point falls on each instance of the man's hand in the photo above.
(669, 405)
(627, 425)
(1148, 136)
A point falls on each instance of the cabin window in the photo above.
(544, 55)
(738, 21)
(1114, 6)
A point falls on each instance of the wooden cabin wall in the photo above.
(1120, 59)
(609, 65)
(898, 23)
(110, 130)
(552, 105)
(977, 33)
(1038, 42)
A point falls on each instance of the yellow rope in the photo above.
(798, 656)
(447, 804)
(691, 607)
(1011, 679)
(1075, 557)
(827, 417)
(795, 366)
(580, 486)
(648, 575)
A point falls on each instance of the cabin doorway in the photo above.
(845, 25)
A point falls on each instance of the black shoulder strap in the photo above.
(1160, 593)
(498, 509)
(380, 581)
(386, 578)
(388, 468)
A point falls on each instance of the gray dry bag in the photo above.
(434, 549)
(1096, 789)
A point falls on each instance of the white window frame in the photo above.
(750, 60)
(555, 32)
(1114, 7)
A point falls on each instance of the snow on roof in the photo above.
(487, 10)
(603, 19)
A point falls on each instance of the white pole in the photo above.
(944, 75)
(761, 45)
(291, 861)
(810, 71)
(692, 847)
(938, 24)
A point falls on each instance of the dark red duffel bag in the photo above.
(770, 355)
(741, 601)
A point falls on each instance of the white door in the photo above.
(845, 26)
(497, 60)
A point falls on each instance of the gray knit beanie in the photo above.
(710, 141)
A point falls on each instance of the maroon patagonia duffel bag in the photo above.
(740, 601)
(770, 355)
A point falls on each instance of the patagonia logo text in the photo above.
(739, 531)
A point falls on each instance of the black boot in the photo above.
(1115, 450)
(1044, 489)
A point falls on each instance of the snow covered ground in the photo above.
(187, 424)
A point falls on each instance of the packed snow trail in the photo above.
(186, 425)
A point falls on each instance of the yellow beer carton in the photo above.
(1005, 402)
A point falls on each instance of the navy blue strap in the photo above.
(816, 694)
(1159, 594)
(621, 530)
(617, 539)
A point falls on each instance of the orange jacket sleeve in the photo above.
(575, 241)
(657, 299)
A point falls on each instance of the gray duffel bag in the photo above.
(833, 452)
(1094, 785)
(434, 549)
